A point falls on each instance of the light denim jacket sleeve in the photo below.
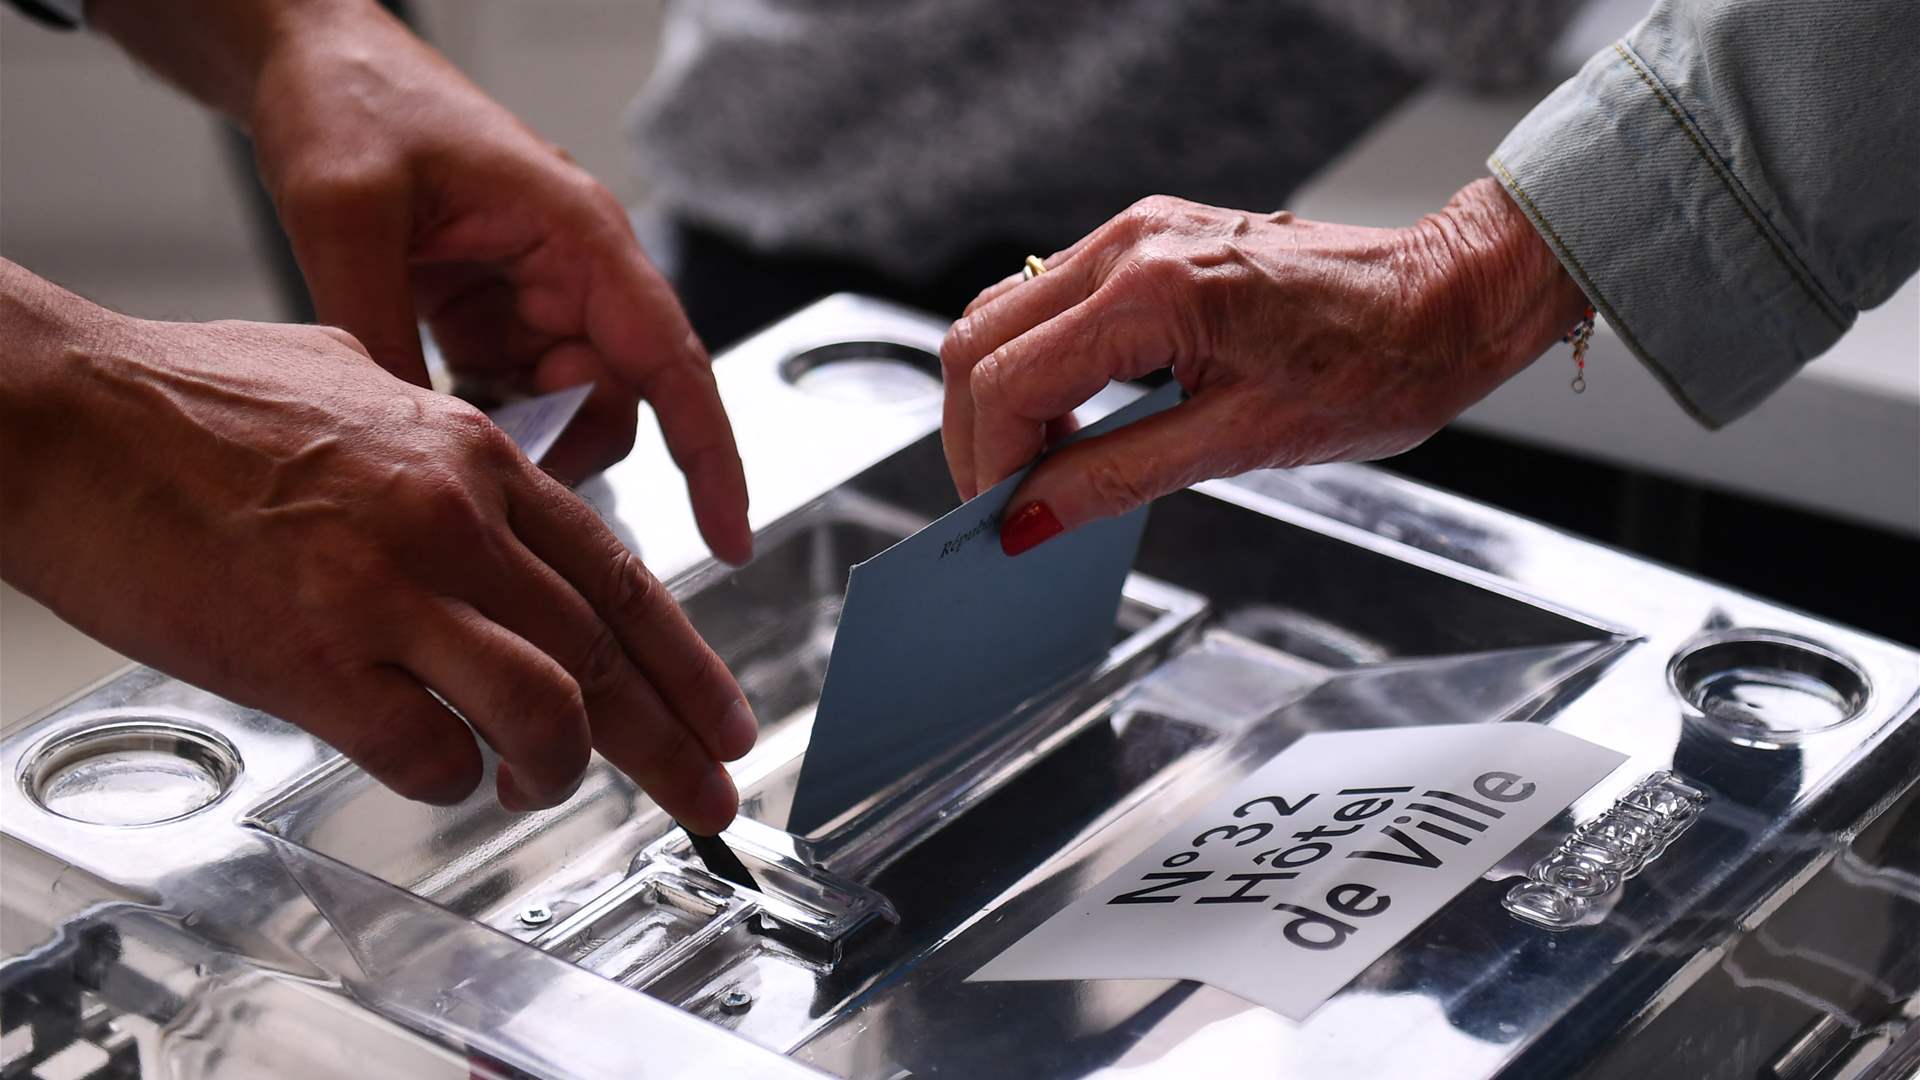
(1731, 184)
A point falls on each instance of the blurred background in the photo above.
(119, 188)
(114, 186)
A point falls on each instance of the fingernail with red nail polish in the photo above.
(1028, 528)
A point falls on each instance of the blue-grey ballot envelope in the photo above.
(943, 633)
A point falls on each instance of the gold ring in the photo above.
(1034, 268)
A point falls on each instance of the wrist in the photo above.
(219, 50)
(47, 337)
(324, 55)
(1492, 284)
(45, 329)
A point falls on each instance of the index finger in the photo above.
(976, 335)
(1051, 369)
(636, 323)
(673, 761)
(999, 288)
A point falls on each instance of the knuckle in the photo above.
(475, 436)
(958, 350)
(444, 506)
(1163, 267)
(987, 382)
(1115, 485)
(606, 201)
(599, 208)
(335, 337)
(1149, 213)
(603, 667)
(323, 197)
(1162, 289)
(693, 351)
(467, 423)
(676, 374)
(1139, 271)
(630, 589)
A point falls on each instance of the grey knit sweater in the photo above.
(899, 132)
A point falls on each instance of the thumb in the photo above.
(353, 254)
(1122, 470)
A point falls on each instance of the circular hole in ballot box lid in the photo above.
(1767, 687)
(865, 373)
(131, 770)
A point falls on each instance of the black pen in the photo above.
(721, 860)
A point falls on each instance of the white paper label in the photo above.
(1290, 884)
(534, 424)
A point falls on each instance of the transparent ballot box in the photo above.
(193, 889)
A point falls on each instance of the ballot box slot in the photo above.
(1152, 621)
(1183, 720)
(883, 828)
(773, 620)
(813, 938)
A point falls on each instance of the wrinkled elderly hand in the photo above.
(262, 511)
(1297, 341)
(408, 193)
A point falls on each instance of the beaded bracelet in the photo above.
(1578, 337)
